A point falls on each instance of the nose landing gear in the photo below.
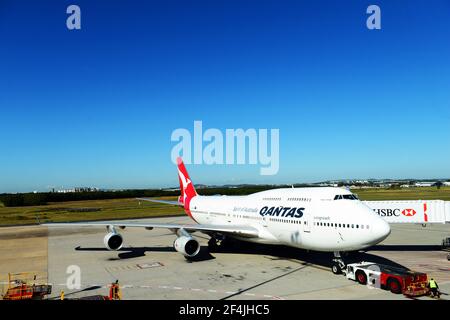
(338, 265)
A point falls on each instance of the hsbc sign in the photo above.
(385, 212)
(410, 211)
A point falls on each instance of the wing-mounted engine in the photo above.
(113, 240)
(186, 244)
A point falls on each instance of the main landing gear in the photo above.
(213, 244)
(217, 242)
(338, 265)
(220, 242)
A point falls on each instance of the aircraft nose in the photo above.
(381, 230)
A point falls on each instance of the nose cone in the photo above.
(380, 230)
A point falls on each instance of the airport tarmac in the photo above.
(149, 268)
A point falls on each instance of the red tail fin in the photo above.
(186, 186)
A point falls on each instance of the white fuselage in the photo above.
(309, 218)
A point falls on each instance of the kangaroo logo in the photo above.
(185, 182)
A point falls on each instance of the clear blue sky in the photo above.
(96, 107)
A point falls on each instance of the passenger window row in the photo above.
(299, 199)
(293, 221)
(341, 225)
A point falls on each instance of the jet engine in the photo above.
(187, 245)
(113, 241)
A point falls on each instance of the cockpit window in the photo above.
(345, 196)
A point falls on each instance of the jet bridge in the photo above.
(412, 211)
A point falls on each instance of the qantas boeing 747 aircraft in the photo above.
(321, 219)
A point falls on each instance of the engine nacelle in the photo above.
(113, 241)
(188, 246)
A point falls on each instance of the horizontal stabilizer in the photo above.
(174, 203)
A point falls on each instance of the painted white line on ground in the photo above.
(128, 286)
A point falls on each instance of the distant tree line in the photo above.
(22, 199)
(36, 199)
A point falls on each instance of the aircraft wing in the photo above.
(175, 203)
(242, 231)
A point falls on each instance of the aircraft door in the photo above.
(308, 218)
(264, 221)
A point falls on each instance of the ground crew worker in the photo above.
(62, 295)
(433, 287)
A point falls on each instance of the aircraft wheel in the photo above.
(336, 269)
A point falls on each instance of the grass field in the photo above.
(86, 211)
(422, 193)
(131, 208)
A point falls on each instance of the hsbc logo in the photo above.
(409, 212)
(387, 212)
(395, 212)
